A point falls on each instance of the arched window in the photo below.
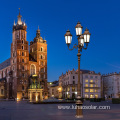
(22, 47)
(32, 69)
(41, 57)
(41, 49)
(22, 87)
(22, 53)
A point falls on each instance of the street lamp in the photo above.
(83, 40)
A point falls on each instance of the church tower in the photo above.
(19, 59)
(38, 52)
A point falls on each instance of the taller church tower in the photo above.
(19, 59)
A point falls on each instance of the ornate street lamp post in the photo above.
(83, 40)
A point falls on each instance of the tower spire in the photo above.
(19, 11)
(38, 32)
(19, 18)
(14, 22)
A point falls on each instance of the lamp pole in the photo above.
(83, 40)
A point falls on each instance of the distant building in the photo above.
(111, 85)
(54, 90)
(91, 84)
(16, 73)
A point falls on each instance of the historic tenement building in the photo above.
(54, 90)
(26, 67)
(111, 85)
(91, 84)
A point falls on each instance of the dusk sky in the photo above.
(54, 17)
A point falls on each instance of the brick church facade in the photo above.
(25, 62)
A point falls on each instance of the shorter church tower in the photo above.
(38, 58)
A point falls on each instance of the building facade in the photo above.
(111, 85)
(17, 72)
(54, 90)
(91, 84)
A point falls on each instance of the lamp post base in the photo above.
(79, 112)
(79, 116)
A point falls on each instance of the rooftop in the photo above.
(5, 64)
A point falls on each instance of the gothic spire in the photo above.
(19, 18)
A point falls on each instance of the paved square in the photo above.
(11, 110)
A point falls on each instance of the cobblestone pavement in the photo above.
(12, 110)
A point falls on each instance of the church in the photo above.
(24, 74)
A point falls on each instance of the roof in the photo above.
(55, 83)
(2, 79)
(5, 64)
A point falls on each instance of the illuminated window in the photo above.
(33, 69)
(91, 96)
(32, 50)
(91, 85)
(96, 96)
(86, 96)
(86, 85)
(91, 90)
(91, 80)
(68, 89)
(86, 90)
(73, 89)
(86, 80)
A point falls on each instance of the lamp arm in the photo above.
(85, 46)
(74, 46)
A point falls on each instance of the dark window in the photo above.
(73, 77)
(42, 77)
(22, 67)
(22, 47)
(22, 41)
(41, 49)
(23, 60)
(22, 87)
(23, 94)
(41, 62)
(42, 69)
(41, 57)
(73, 82)
(1, 91)
(22, 53)
(23, 75)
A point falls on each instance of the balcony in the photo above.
(92, 87)
(91, 82)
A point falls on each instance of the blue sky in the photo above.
(54, 17)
